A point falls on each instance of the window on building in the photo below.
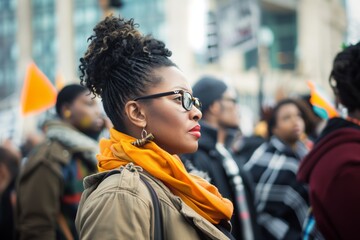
(150, 15)
(284, 27)
(44, 42)
(8, 46)
(212, 38)
(251, 59)
(282, 52)
(86, 15)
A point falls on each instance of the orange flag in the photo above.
(38, 94)
(321, 103)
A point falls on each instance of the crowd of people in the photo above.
(174, 163)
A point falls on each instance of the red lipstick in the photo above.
(195, 131)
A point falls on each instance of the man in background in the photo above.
(219, 108)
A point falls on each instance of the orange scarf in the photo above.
(197, 193)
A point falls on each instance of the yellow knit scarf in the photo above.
(197, 193)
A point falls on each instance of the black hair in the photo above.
(118, 65)
(274, 112)
(345, 77)
(67, 95)
(311, 119)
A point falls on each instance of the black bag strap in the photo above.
(158, 225)
(158, 228)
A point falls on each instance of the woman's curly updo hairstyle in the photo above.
(118, 65)
(345, 77)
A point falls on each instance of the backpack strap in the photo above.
(158, 225)
(158, 228)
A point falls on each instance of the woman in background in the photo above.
(281, 201)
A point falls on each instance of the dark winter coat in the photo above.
(209, 160)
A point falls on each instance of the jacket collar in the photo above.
(334, 141)
(72, 139)
(208, 136)
(335, 124)
(299, 153)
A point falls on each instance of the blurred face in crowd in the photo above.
(289, 125)
(84, 113)
(176, 129)
(229, 113)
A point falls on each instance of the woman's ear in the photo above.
(66, 112)
(135, 113)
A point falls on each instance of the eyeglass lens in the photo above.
(189, 101)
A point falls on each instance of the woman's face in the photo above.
(176, 130)
(289, 123)
(229, 115)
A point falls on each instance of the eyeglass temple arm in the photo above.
(157, 95)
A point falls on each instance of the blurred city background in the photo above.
(267, 49)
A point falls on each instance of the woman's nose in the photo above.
(195, 113)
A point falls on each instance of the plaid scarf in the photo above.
(233, 173)
(282, 202)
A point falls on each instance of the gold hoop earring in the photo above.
(67, 114)
(145, 138)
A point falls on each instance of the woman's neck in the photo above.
(355, 114)
(291, 144)
(221, 135)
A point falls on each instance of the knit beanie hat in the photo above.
(208, 90)
(67, 95)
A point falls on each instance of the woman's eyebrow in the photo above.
(181, 88)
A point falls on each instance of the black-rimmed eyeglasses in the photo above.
(187, 100)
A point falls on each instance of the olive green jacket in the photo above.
(49, 185)
(120, 207)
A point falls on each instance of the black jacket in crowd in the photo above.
(209, 160)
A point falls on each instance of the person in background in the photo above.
(281, 201)
(9, 166)
(244, 146)
(332, 167)
(50, 181)
(143, 190)
(220, 118)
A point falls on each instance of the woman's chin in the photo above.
(178, 150)
(192, 149)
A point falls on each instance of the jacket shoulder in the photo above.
(50, 153)
(120, 199)
(126, 181)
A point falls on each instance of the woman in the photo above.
(147, 97)
(281, 202)
(50, 181)
(332, 167)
